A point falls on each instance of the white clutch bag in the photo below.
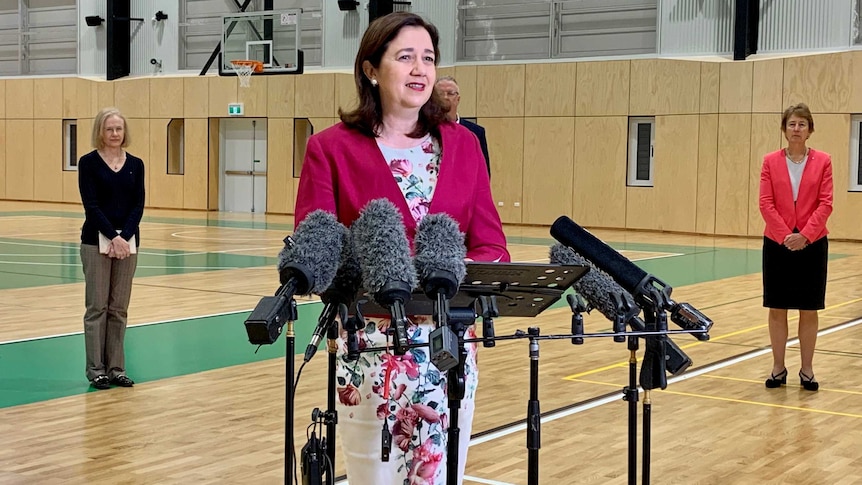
(105, 242)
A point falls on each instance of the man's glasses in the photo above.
(449, 94)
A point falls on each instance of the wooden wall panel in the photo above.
(70, 179)
(3, 98)
(196, 160)
(831, 137)
(603, 88)
(140, 147)
(213, 148)
(315, 96)
(664, 86)
(467, 78)
(506, 149)
(345, 92)
(599, 186)
(500, 90)
(77, 99)
(166, 191)
(707, 155)
(279, 169)
(281, 96)
(766, 137)
(821, 81)
(48, 98)
(768, 81)
(132, 97)
(48, 160)
(19, 99)
(166, 97)
(675, 179)
(550, 89)
(254, 97)
(3, 156)
(19, 159)
(734, 88)
(855, 103)
(709, 76)
(70, 187)
(103, 98)
(222, 90)
(548, 168)
(732, 174)
(196, 97)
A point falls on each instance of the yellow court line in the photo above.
(822, 389)
(693, 344)
(740, 401)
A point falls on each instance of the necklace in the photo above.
(114, 162)
(801, 159)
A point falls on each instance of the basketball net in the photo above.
(243, 72)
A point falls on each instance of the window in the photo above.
(70, 144)
(176, 147)
(856, 153)
(641, 141)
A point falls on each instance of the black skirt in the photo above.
(795, 280)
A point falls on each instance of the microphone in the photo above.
(338, 295)
(609, 298)
(644, 287)
(307, 264)
(383, 251)
(441, 268)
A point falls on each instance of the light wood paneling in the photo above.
(603, 88)
(166, 190)
(315, 96)
(77, 95)
(855, 104)
(19, 99)
(767, 83)
(550, 89)
(222, 90)
(3, 156)
(140, 147)
(500, 91)
(707, 155)
(213, 147)
(3, 97)
(70, 179)
(166, 97)
(70, 187)
(506, 149)
(599, 188)
(735, 87)
(548, 168)
(709, 77)
(830, 136)
(48, 98)
(279, 169)
(48, 160)
(281, 96)
(766, 137)
(196, 97)
(466, 77)
(132, 97)
(254, 97)
(19, 159)
(196, 159)
(345, 92)
(675, 175)
(103, 98)
(663, 86)
(732, 175)
(821, 81)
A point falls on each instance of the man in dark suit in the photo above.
(447, 88)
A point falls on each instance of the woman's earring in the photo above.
(374, 82)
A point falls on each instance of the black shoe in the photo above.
(777, 380)
(122, 381)
(808, 383)
(101, 382)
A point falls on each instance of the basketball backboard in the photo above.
(271, 37)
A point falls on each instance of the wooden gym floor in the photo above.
(207, 409)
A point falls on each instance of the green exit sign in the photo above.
(234, 109)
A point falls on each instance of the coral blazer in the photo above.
(813, 204)
(344, 170)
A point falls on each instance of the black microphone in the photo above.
(440, 265)
(383, 251)
(643, 286)
(307, 264)
(336, 298)
(609, 298)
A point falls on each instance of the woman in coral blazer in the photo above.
(795, 201)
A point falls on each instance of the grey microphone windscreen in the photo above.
(381, 247)
(440, 246)
(315, 253)
(595, 286)
(348, 278)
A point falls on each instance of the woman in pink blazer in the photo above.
(795, 201)
(398, 144)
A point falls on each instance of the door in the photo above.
(242, 164)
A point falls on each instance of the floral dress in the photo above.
(406, 392)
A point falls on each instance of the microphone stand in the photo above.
(331, 415)
(534, 415)
(458, 319)
(290, 369)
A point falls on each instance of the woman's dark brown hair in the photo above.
(801, 110)
(368, 117)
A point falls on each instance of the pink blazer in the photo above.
(344, 170)
(813, 204)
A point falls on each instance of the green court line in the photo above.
(213, 219)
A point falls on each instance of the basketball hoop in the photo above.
(244, 69)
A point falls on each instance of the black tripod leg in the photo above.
(534, 415)
(646, 436)
(631, 395)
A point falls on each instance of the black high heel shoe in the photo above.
(777, 380)
(808, 383)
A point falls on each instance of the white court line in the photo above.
(150, 253)
(31, 263)
(467, 478)
(40, 233)
(227, 251)
(29, 218)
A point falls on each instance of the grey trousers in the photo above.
(107, 295)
